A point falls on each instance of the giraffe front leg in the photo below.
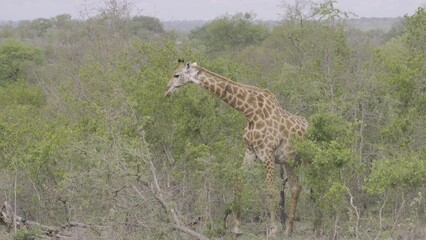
(236, 208)
(249, 158)
(269, 163)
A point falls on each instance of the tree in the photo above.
(416, 31)
(62, 20)
(41, 26)
(300, 11)
(90, 137)
(15, 60)
(230, 33)
(309, 10)
(329, 163)
(146, 23)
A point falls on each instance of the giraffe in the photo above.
(266, 135)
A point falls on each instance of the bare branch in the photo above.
(356, 212)
(157, 192)
(189, 231)
(398, 214)
(380, 216)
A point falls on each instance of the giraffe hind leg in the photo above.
(281, 158)
(295, 189)
(282, 214)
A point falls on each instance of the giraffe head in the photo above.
(184, 73)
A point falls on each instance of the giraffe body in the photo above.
(266, 135)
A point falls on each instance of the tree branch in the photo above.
(189, 231)
(157, 192)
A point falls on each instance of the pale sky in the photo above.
(198, 9)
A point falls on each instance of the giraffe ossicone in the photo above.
(269, 128)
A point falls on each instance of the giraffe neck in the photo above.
(238, 96)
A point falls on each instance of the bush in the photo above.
(27, 234)
(15, 58)
(401, 174)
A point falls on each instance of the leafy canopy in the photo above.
(15, 57)
(230, 33)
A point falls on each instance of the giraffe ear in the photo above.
(194, 64)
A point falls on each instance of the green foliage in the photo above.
(62, 20)
(310, 71)
(20, 93)
(30, 141)
(403, 72)
(41, 26)
(398, 73)
(146, 23)
(399, 133)
(15, 58)
(6, 31)
(230, 33)
(27, 234)
(326, 128)
(416, 31)
(397, 175)
(328, 160)
(94, 135)
(328, 12)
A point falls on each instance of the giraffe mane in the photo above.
(248, 87)
(252, 88)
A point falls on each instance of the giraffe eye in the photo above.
(176, 76)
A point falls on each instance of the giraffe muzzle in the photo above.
(168, 93)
